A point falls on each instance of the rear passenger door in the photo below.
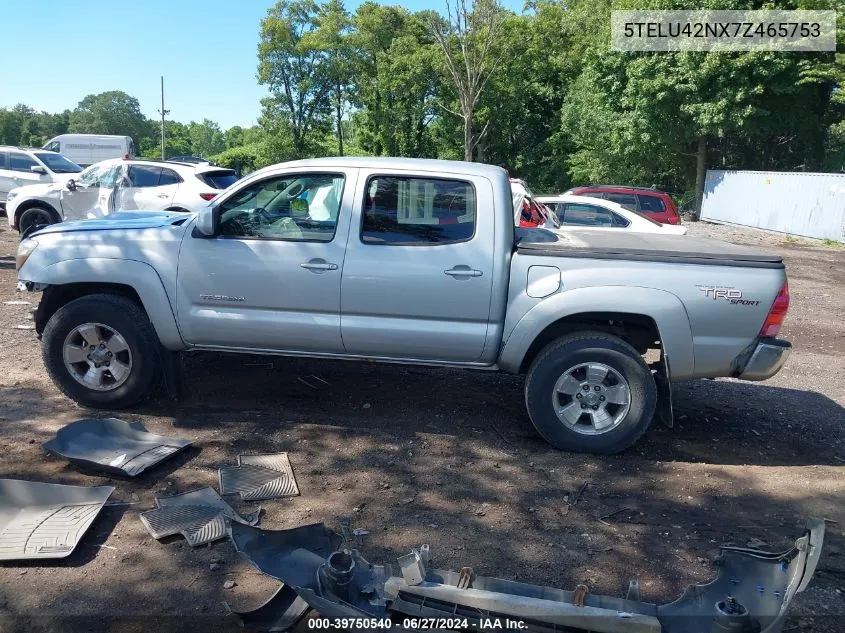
(148, 187)
(418, 276)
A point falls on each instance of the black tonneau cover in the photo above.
(652, 247)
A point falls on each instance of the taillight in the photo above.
(777, 314)
(207, 196)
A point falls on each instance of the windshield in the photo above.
(58, 164)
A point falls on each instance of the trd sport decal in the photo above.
(731, 295)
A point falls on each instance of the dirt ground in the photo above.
(448, 458)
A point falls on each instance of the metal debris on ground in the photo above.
(258, 477)
(279, 613)
(201, 516)
(40, 520)
(113, 446)
(750, 593)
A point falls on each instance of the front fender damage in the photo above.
(750, 593)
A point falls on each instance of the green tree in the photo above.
(113, 112)
(206, 138)
(468, 39)
(296, 72)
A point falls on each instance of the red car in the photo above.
(656, 205)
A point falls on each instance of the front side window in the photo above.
(575, 214)
(144, 176)
(58, 164)
(300, 207)
(4, 160)
(90, 177)
(108, 178)
(21, 162)
(417, 211)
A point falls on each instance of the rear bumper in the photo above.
(766, 360)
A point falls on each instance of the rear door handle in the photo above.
(463, 272)
(319, 265)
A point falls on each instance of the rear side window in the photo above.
(592, 194)
(218, 179)
(417, 211)
(627, 200)
(574, 214)
(21, 162)
(650, 204)
(4, 160)
(144, 176)
(168, 177)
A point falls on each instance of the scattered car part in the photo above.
(281, 612)
(113, 446)
(750, 594)
(201, 516)
(39, 520)
(258, 477)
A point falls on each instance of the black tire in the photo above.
(122, 315)
(586, 347)
(35, 216)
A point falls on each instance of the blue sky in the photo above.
(59, 51)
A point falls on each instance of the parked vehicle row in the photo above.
(411, 261)
(582, 212)
(657, 205)
(113, 185)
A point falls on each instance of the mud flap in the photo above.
(171, 372)
(664, 412)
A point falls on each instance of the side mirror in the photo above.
(71, 185)
(207, 221)
(38, 169)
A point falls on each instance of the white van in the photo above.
(87, 149)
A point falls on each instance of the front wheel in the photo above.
(32, 218)
(101, 350)
(590, 392)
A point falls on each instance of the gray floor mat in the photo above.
(114, 446)
(39, 520)
(259, 477)
(201, 516)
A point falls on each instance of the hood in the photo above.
(122, 220)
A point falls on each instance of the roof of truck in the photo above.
(413, 164)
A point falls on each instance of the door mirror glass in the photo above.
(71, 185)
(38, 169)
(207, 221)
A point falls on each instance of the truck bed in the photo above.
(606, 244)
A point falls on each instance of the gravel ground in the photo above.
(447, 458)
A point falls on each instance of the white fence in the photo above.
(797, 203)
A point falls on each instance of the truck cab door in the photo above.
(269, 278)
(418, 276)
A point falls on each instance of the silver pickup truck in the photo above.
(408, 261)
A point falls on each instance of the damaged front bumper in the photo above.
(749, 595)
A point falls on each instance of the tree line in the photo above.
(538, 93)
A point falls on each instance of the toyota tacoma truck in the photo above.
(407, 261)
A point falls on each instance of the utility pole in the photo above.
(163, 112)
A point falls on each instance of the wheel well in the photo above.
(29, 204)
(638, 330)
(54, 297)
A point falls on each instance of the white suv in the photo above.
(21, 166)
(118, 185)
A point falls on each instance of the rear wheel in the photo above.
(590, 392)
(101, 350)
(33, 217)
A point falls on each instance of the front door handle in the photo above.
(463, 272)
(319, 265)
(162, 195)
